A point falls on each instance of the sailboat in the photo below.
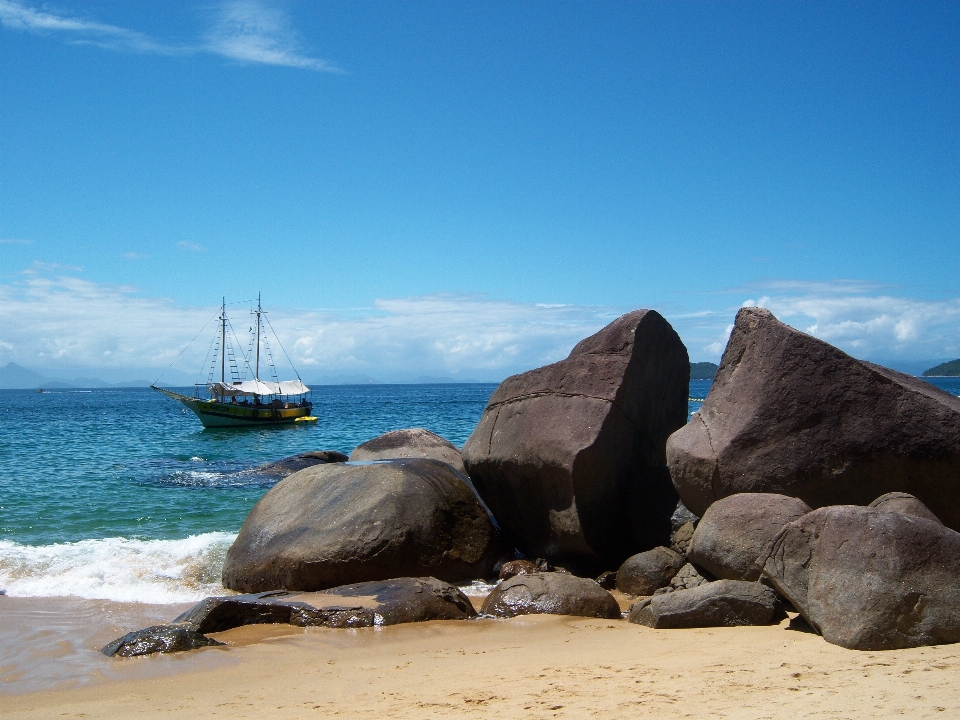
(237, 402)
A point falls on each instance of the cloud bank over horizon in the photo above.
(62, 324)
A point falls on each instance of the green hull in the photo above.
(214, 414)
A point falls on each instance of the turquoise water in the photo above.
(77, 465)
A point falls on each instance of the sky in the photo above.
(468, 189)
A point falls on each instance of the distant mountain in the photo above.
(344, 380)
(703, 370)
(14, 377)
(947, 369)
(442, 380)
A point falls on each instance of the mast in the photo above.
(256, 374)
(223, 340)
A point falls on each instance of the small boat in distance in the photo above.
(240, 402)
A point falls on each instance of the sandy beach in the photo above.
(529, 667)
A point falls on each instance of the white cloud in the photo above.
(250, 31)
(246, 31)
(192, 247)
(15, 241)
(47, 323)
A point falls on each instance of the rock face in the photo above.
(551, 594)
(725, 603)
(736, 529)
(868, 579)
(686, 578)
(681, 538)
(157, 639)
(301, 461)
(905, 504)
(331, 525)
(570, 457)
(647, 572)
(791, 414)
(410, 443)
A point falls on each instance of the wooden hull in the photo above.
(214, 414)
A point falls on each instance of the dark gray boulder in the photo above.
(517, 567)
(551, 594)
(647, 572)
(300, 461)
(736, 529)
(384, 602)
(335, 524)
(409, 443)
(793, 415)
(905, 504)
(157, 639)
(570, 457)
(724, 603)
(868, 579)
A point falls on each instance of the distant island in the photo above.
(703, 370)
(947, 369)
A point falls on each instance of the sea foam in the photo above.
(118, 569)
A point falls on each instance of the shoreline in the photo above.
(529, 666)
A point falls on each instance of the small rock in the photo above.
(608, 580)
(157, 639)
(517, 567)
(409, 443)
(681, 516)
(905, 504)
(295, 463)
(550, 593)
(686, 578)
(680, 540)
(724, 603)
(646, 572)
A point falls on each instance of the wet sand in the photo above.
(528, 667)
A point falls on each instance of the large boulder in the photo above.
(725, 603)
(647, 572)
(335, 524)
(550, 593)
(793, 415)
(409, 443)
(868, 579)
(570, 457)
(736, 529)
(300, 461)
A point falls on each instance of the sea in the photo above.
(121, 495)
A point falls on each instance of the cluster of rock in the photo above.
(815, 482)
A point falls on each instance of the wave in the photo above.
(118, 569)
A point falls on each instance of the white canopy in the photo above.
(258, 387)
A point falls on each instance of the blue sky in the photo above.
(467, 188)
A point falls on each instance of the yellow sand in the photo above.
(529, 667)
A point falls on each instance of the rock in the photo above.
(686, 578)
(552, 594)
(301, 461)
(791, 414)
(570, 456)
(607, 580)
(905, 504)
(724, 603)
(335, 524)
(736, 529)
(517, 567)
(410, 443)
(680, 539)
(682, 516)
(646, 572)
(868, 579)
(384, 602)
(157, 639)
